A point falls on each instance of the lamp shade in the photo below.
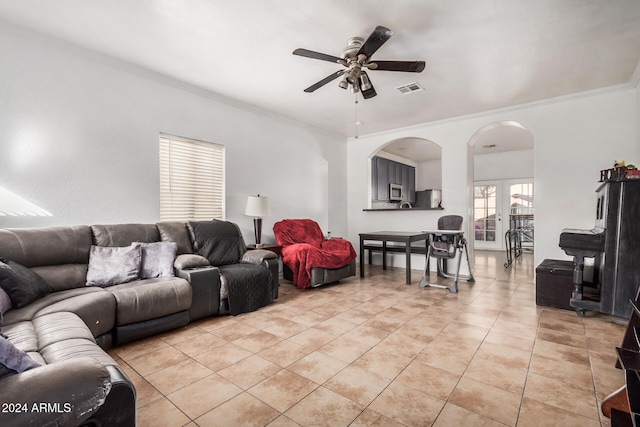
(257, 206)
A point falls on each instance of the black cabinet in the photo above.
(385, 172)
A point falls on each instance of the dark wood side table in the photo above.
(269, 247)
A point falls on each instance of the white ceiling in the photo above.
(481, 54)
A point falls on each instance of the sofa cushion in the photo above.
(55, 327)
(95, 306)
(21, 284)
(150, 298)
(63, 276)
(220, 242)
(75, 348)
(22, 335)
(52, 302)
(46, 246)
(157, 259)
(124, 234)
(13, 360)
(113, 265)
(96, 309)
(176, 232)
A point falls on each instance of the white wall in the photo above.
(79, 137)
(506, 165)
(573, 139)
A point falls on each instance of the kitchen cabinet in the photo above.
(409, 183)
(385, 172)
(379, 179)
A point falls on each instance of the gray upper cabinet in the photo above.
(385, 172)
(379, 178)
(409, 183)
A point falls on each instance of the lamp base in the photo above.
(257, 229)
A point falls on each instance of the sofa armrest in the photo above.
(62, 394)
(187, 261)
(205, 284)
(258, 256)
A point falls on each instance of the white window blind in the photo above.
(191, 179)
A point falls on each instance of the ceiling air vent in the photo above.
(410, 88)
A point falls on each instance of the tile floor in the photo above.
(377, 352)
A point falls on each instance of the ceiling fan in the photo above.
(355, 58)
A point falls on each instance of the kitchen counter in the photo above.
(401, 209)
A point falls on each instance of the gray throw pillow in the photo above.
(13, 360)
(112, 265)
(157, 259)
(178, 232)
(21, 284)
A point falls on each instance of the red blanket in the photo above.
(304, 247)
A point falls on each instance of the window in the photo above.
(191, 179)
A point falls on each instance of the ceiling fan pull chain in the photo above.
(357, 122)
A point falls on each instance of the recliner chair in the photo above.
(310, 260)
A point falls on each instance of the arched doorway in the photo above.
(503, 192)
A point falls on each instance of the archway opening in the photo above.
(414, 164)
(503, 189)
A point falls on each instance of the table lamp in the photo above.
(257, 207)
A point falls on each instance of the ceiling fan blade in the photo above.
(376, 39)
(324, 81)
(406, 66)
(317, 55)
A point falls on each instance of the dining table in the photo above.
(406, 237)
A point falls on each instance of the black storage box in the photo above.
(554, 283)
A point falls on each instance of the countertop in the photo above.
(403, 209)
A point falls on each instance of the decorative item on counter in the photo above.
(620, 170)
(633, 172)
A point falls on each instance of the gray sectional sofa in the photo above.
(65, 326)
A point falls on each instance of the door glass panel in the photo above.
(484, 213)
(521, 198)
(521, 210)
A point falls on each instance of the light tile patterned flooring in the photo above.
(378, 352)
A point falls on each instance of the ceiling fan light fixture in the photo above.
(365, 83)
(355, 58)
(353, 75)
